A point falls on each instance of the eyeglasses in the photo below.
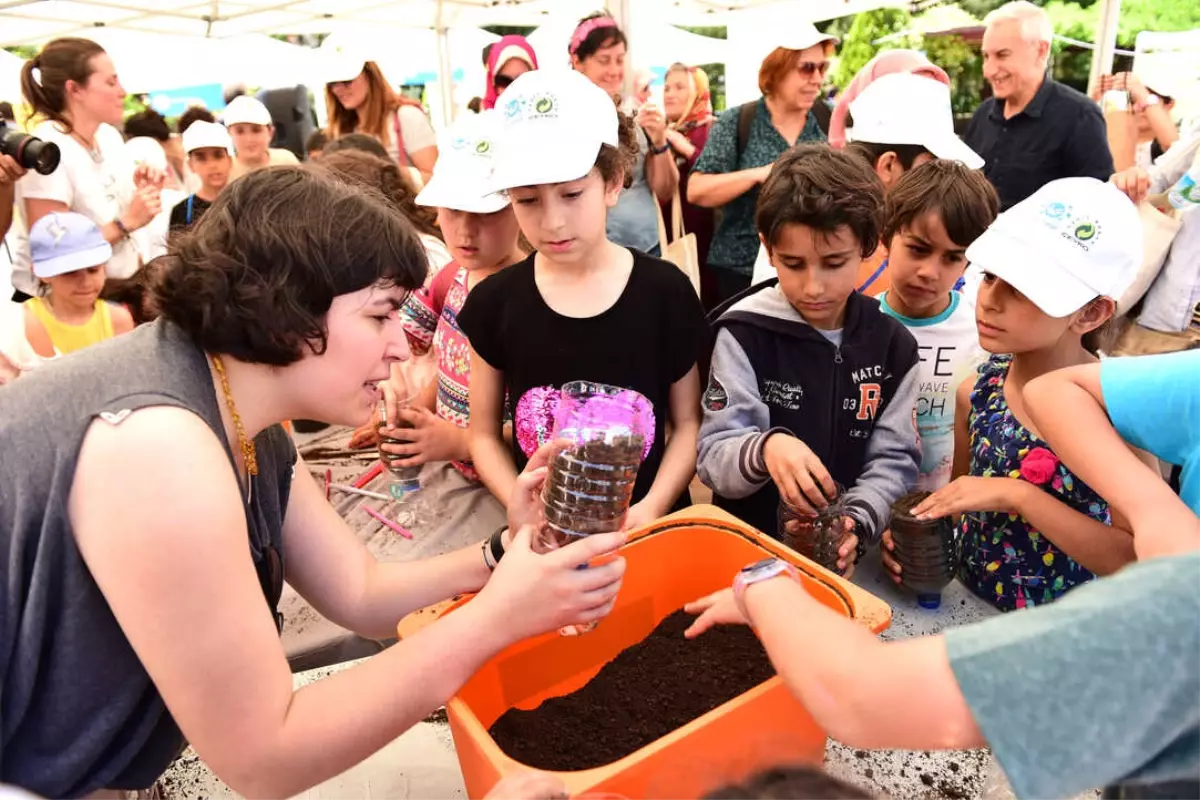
(810, 68)
(502, 81)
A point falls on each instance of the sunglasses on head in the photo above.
(502, 81)
(810, 68)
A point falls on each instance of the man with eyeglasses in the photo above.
(1032, 130)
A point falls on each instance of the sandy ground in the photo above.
(422, 763)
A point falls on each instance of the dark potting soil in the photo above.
(649, 690)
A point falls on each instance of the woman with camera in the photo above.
(72, 85)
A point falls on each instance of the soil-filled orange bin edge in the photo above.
(670, 562)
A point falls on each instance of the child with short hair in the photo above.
(208, 149)
(69, 255)
(934, 213)
(481, 233)
(898, 122)
(1030, 529)
(581, 307)
(811, 383)
(252, 129)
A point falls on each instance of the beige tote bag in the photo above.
(681, 250)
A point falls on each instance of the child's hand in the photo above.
(430, 438)
(525, 505)
(640, 514)
(1134, 182)
(846, 550)
(887, 546)
(367, 435)
(968, 493)
(802, 479)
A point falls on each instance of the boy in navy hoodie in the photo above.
(810, 382)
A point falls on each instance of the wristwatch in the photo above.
(758, 572)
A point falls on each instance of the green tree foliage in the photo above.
(964, 66)
(858, 46)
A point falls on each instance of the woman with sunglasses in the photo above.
(360, 100)
(152, 506)
(508, 59)
(738, 156)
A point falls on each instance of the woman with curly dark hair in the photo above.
(153, 507)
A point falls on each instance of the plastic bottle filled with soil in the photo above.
(927, 549)
(817, 538)
(406, 479)
(603, 431)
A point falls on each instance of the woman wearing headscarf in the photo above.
(508, 59)
(886, 63)
(687, 103)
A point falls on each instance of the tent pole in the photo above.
(445, 74)
(1106, 40)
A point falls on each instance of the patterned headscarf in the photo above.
(699, 109)
(503, 51)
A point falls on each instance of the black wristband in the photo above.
(496, 544)
(658, 151)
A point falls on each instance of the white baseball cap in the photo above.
(201, 134)
(64, 241)
(800, 36)
(245, 109)
(902, 108)
(1071, 241)
(555, 122)
(462, 177)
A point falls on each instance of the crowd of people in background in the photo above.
(878, 306)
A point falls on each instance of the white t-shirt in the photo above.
(416, 131)
(100, 189)
(948, 346)
(763, 271)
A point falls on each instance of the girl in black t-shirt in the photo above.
(581, 307)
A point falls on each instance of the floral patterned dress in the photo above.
(1005, 560)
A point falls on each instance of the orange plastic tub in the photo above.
(671, 562)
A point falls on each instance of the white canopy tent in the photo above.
(408, 32)
(10, 77)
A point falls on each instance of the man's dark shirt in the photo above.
(1060, 134)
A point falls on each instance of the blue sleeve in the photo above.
(720, 153)
(1154, 402)
(1097, 688)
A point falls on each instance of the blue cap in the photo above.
(63, 241)
(929, 601)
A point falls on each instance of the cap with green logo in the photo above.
(1071, 241)
(466, 158)
(555, 122)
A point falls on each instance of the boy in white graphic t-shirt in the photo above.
(934, 213)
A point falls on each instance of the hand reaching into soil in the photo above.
(803, 481)
(548, 591)
(719, 608)
(529, 785)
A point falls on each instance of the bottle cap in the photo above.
(929, 600)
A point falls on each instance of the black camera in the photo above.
(29, 151)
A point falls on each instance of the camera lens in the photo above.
(29, 151)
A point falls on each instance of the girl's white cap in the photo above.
(462, 177)
(1071, 241)
(555, 122)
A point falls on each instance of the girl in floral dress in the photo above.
(1029, 529)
